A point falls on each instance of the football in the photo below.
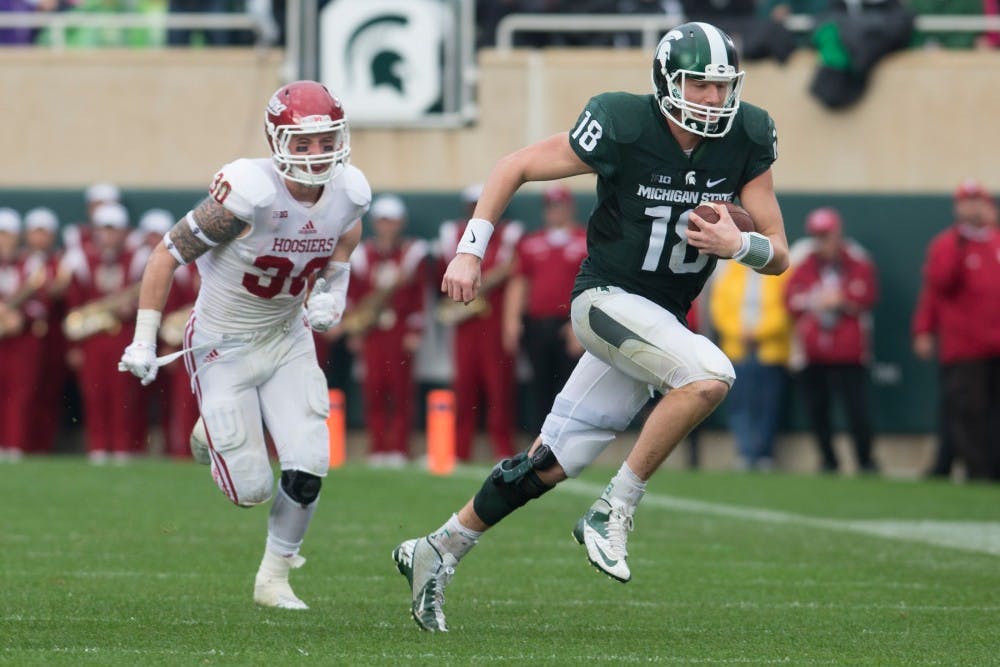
(739, 214)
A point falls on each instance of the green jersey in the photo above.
(646, 188)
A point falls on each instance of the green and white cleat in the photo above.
(199, 443)
(428, 573)
(604, 530)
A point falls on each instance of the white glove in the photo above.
(324, 308)
(139, 359)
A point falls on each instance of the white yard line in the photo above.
(976, 536)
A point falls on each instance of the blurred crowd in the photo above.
(68, 297)
(757, 24)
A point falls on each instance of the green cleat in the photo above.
(428, 572)
(604, 530)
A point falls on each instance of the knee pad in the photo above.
(512, 483)
(302, 487)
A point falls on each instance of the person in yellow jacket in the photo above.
(755, 331)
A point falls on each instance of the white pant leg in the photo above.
(224, 380)
(295, 405)
(645, 341)
(596, 403)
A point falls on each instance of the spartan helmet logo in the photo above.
(382, 56)
(689, 179)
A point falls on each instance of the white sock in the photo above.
(625, 488)
(454, 538)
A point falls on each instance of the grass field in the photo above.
(148, 564)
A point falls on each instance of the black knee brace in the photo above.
(512, 483)
(302, 487)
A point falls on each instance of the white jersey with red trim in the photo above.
(260, 280)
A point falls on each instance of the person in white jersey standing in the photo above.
(268, 228)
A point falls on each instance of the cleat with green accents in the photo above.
(428, 573)
(604, 530)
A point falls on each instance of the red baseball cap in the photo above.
(557, 194)
(823, 221)
(970, 188)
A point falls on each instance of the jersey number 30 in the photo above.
(278, 273)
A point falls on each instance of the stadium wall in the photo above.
(169, 118)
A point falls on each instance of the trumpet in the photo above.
(9, 325)
(369, 312)
(449, 312)
(173, 325)
(99, 315)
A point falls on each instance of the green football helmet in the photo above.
(697, 51)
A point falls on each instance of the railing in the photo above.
(59, 22)
(652, 26)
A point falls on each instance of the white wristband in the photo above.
(476, 237)
(755, 250)
(147, 323)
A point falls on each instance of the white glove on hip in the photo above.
(324, 309)
(139, 359)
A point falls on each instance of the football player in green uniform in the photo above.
(656, 158)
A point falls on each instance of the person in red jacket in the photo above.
(46, 308)
(384, 322)
(483, 370)
(104, 273)
(536, 301)
(958, 317)
(830, 295)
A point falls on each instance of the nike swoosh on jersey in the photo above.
(712, 183)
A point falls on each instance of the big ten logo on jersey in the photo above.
(587, 132)
(384, 59)
(220, 188)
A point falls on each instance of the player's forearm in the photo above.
(156, 279)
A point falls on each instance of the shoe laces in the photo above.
(620, 524)
(446, 570)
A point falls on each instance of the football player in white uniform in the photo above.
(266, 230)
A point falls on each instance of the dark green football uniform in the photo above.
(647, 186)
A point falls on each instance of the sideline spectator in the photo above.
(536, 303)
(755, 331)
(483, 370)
(830, 295)
(42, 255)
(959, 320)
(110, 400)
(23, 36)
(14, 339)
(384, 323)
(953, 40)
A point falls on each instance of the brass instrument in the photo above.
(450, 312)
(99, 315)
(370, 311)
(173, 325)
(9, 325)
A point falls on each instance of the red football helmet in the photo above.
(302, 108)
